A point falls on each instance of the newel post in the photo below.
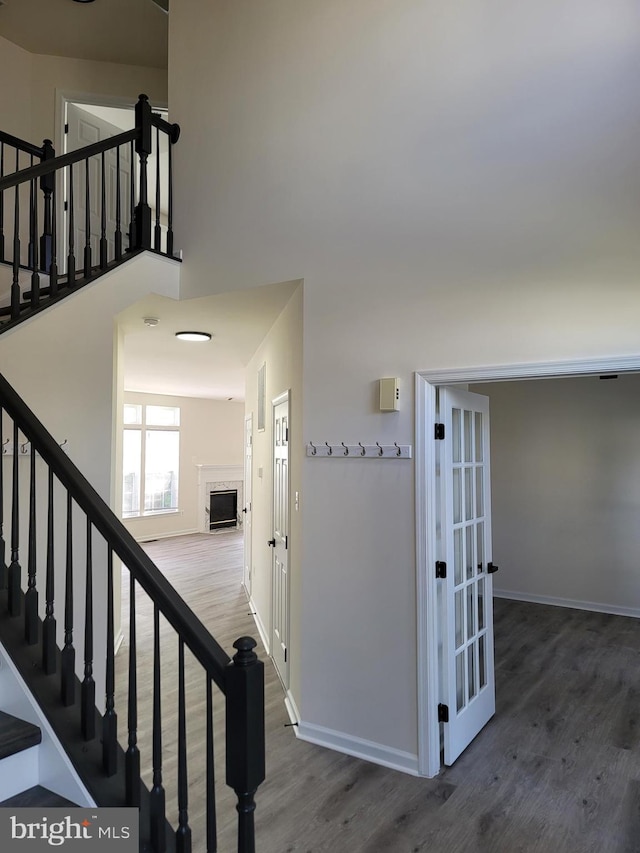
(47, 185)
(142, 215)
(245, 744)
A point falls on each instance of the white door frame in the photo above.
(426, 383)
(248, 501)
(285, 397)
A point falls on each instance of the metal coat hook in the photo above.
(363, 449)
(346, 449)
(314, 449)
(380, 450)
(23, 447)
(398, 451)
(330, 453)
(64, 442)
(4, 445)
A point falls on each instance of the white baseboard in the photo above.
(396, 759)
(258, 620)
(292, 708)
(151, 538)
(595, 606)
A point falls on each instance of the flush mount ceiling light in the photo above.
(193, 336)
(84, 1)
(152, 322)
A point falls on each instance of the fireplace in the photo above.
(223, 509)
(219, 478)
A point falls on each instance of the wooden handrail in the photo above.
(21, 144)
(48, 166)
(209, 653)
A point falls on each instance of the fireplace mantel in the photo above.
(211, 477)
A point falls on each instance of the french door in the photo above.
(464, 564)
(280, 540)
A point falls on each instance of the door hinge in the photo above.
(441, 569)
(286, 543)
(66, 128)
(443, 713)
(66, 205)
(285, 655)
(439, 432)
(286, 434)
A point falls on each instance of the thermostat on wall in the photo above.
(389, 395)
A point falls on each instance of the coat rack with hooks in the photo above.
(358, 451)
(24, 447)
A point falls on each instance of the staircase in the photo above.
(65, 221)
(64, 550)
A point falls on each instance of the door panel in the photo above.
(468, 683)
(247, 509)
(280, 572)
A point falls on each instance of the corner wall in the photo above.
(565, 465)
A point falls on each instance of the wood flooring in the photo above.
(556, 771)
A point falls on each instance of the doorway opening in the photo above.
(427, 508)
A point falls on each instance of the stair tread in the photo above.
(16, 735)
(37, 797)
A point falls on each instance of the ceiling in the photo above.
(155, 361)
(129, 32)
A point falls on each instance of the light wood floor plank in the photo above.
(556, 771)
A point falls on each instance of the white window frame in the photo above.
(143, 427)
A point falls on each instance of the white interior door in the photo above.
(84, 128)
(468, 682)
(246, 509)
(280, 540)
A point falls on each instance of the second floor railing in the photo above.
(64, 220)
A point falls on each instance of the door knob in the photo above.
(271, 543)
(491, 568)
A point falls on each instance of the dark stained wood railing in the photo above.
(88, 244)
(111, 772)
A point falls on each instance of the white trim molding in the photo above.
(554, 601)
(427, 381)
(396, 759)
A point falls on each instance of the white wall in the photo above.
(211, 433)
(565, 461)
(457, 185)
(15, 99)
(281, 352)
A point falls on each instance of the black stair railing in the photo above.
(112, 772)
(50, 249)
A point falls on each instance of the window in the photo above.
(150, 460)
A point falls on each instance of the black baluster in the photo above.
(71, 258)
(87, 221)
(88, 697)
(32, 236)
(35, 275)
(47, 185)
(132, 199)
(212, 823)
(68, 657)
(157, 796)
(15, 281)
(110, 719)
(49, 624)
(132, 757)
(3, 545)
(183, 832)
(2, 203)
(143, 149)
(118, 234)
(245, 756)
(170, 201)
(15, 571)
(31, 596)
(157, 231)
(53, 266)
(103, 216)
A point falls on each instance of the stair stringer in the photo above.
(55, 770)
